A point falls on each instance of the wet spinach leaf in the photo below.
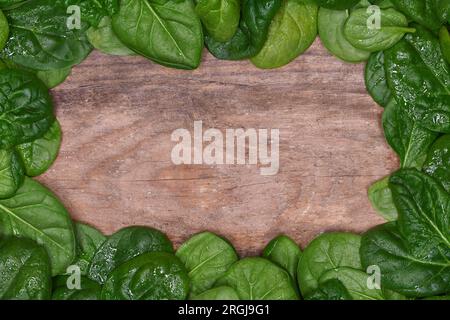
(173, 25)
(332, 289)
(24, 270)
(150, 276)
(37, 156)
(252, 33)
(219, 293)
(89, 290)
(437, 164)
(40, 38)
(326, 252)
(375, 79)
(380, 197)
(206, 257)
(12, 173)
(429, 13)
(35, 212)
(89, 240)
(124, 245)
(292, 31)
(220, 17)
(259, 279)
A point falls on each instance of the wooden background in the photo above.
(118, 113)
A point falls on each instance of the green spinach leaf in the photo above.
(326, 252)
(34, 212)
(24, 270)
(12, 173)
(37, 156)
(89, 290)
(428, 13)
(124, 245)
(89, 240)
(172, 25)
(220, 17)
(332, 289)
(292, 31)
(150, 276)
(206, 257)
(259, 279)
(380, 197)
(437, 164)
(219, 293)
(375, 79)
(249, 39)
(53, 78)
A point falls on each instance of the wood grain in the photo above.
(115, 170)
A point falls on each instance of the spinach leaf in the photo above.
(40, 38)
(249, 39)
(383, 4)
(34, 212)
(401, 271)
(284, 252)
(37, 156)
(375, 79)
(4, 30)
(407, 137)
(105, 40)
(89, 240)
(331, 25)
(425, 12)
(292, 31)
(172, 25)
(53, 78)
(444, 38)
(150, 276)
(437, 164)
(220, 17)
(380, 197)
(332, 289)
(24, 270)
(425, 93)
(393, 26)
(26, 109)
(355, 281)
(90, 290)
(326, 252)
(336, 4)
(124, 245)
(207, 257)
(7, 4)
(259, 279)
(424, 213)
(12, 173)
(219, 293)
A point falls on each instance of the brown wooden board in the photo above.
(115, 169)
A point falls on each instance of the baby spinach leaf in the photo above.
(407, 137)
(284, 252)
(4, 30)
(172, 25)
(437, 164)
(12, 173)
(380, 197)
(423, 213)
(425, 12)
(292, 31)
(150, 276)
(105, 40)
(220, 17)
(393, 26)
(206, 257)
(89, 240)
(37, 156)
(425, 93)
(249, 39)
(401, 271)
(40, 38)
(326, 252)
(336, 4)
(26, 109)
(444, 38)
(355, 281)
(331, 25)
(332, 289)
(375, 79)
(89, 290)
(124, 245)
(53, 78)
(24, 270)
(219, 293)
(34, 212)
(259, 279)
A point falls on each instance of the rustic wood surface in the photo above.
(115, 170)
